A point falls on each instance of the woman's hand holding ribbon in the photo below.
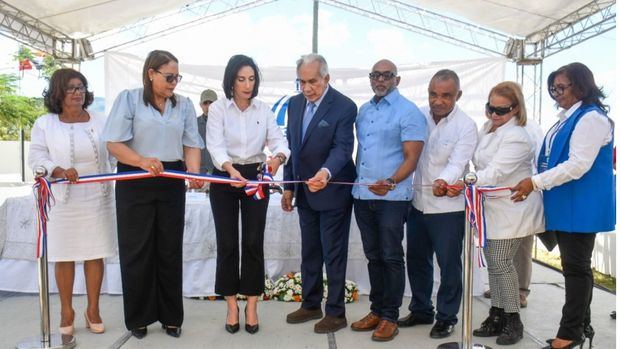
(522, 189)
(273, 164)
(234, 174)
(152, 166)
(70, 174)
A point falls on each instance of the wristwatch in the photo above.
(281, 157)
(391, 183)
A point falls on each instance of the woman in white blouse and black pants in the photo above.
(503, 156)
(239, 127)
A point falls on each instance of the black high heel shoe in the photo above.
(172, 331)
(251, 329)
(234, 328)
(574, 344)
(588, 332)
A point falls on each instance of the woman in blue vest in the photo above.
(576, 177)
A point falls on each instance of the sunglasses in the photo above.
(386, 75)
(499, 111)
(170, 78)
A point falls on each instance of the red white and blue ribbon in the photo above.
(256, 190)
(474, 197)
(474, 212)
(44, 200)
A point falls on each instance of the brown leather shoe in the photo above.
(367, 323)
(330, 324)
(386, 331)
(302, 315)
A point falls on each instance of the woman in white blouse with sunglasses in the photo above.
(504, 156)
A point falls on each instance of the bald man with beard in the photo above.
(391, 132)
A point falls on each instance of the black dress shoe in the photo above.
(412, 320)
(172, 331)
(139, 332)
(441, 329)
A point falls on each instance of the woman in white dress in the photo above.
(66, 143)
(503, 156)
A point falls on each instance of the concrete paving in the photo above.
(204, 323)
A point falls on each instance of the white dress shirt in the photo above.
(446, 156)
(592, 132)
(239, 136)
(502, 158)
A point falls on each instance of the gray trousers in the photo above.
(523, 264)
(502, 274)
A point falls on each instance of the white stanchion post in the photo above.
(468, 285)
(47, 340)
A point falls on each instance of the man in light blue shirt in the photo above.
(391, 132)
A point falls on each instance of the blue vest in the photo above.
(587, 204)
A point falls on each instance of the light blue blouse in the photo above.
(149, 133)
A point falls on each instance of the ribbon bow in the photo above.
(256, 190)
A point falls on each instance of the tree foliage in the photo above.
(16, 112)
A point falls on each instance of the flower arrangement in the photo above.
(287, 288)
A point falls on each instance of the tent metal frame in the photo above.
(21, 27)
(528, 53)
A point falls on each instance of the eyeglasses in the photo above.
(499, 111)
(71, 90)
(387, 75)
(558, 90)
(170, 78)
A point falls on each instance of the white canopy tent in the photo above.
(40, 22)
(518, 18)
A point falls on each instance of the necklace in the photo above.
(81, 117)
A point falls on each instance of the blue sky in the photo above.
(277, 33)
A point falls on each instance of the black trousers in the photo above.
(150, 218)
(225, 204)
(576, 254)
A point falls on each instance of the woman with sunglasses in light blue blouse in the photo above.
(153, 129)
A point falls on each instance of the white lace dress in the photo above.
(82, 222)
